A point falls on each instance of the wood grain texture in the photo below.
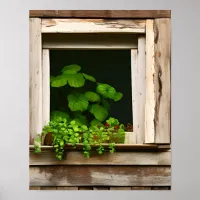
(141, 188)
(162, 80)
(92, 26)
(150, 71)
(101, 188)
(100, 176)
(100, 13)
(45, 87)
(34, 187)
(48, 188)
(85, 188)
(67, 188)
(117, 158)
(89, 41)
(138, 89)
(120, 188)
(35, 78)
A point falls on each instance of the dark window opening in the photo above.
(112, 67)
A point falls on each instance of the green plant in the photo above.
(89, 104)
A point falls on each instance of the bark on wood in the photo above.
(92, 26)
(118, 158)
(162, 80)
(101, 13)
(100, 176)
(35, 78)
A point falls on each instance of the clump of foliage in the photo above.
(85, 118)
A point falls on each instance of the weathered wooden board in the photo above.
(141, 188)
(117, 158)
(35, 78)
(101, 13)
(88, 41)
(92, 26)
(100, 188)
(138, 66)
(100, 176)
(158, 102)
(162, 80)
(150, 70)
(120, 188)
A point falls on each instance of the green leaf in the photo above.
(99, 112)
(96, 122)
(75, 80)
(112, 121)
(92, 96)
(71, 69)
(118, 96)
(106, 91)
(56, 114)
(77, 102)
(89, 78)
(105, 104)
(80, 118)
(59, 81)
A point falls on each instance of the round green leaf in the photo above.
(59, 81)
(89, 78)
(118, 96)
(77, 102)
(105, 104)
(75, 80)
(80, 118)
(71, 69)
(95, 122)
(106, 91)
(99, 112)
(92, 96)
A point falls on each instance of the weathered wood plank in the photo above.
(150, 97)
(119, 147)
(67, 188)
(48, 188)
(35, 78)
(138, 89)
(92, 26)
(99, 176)
(162, 39)
(120, 188)
(117, 158)
(141, 188)
(89, 41)
(101, 13)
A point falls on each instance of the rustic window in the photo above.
(149, 46)
(143, 38)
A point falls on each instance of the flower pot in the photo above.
(48, 140)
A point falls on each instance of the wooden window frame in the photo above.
(151, 83)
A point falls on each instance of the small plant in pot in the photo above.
(84, 117)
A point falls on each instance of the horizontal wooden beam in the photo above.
(89, 41)
(100, 176)
(117, 158)
(100, 13)
(117, 147)
(92, 26)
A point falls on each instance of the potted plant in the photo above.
(85, 116)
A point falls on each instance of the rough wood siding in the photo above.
(35, 78)
(92, 26)
(158, 80)
(100, 188)
(101, 13)
(162, 80)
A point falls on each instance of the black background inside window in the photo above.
(107, 66)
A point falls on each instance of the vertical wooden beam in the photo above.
(158, 60)
(138, 91)
(35, 78)
(150, 71)
(162, 78)
(45, 88)
(134, 64)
